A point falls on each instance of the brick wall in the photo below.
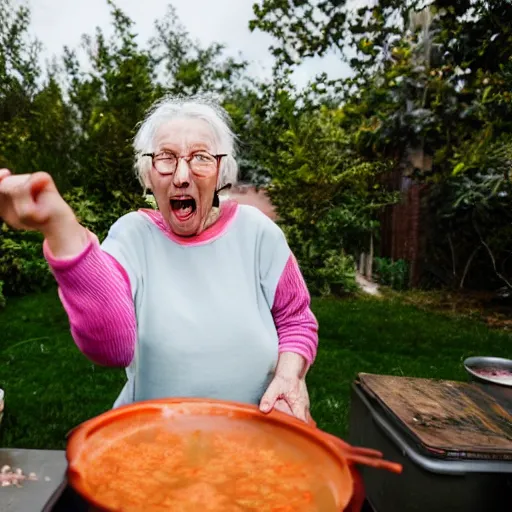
(247, 194)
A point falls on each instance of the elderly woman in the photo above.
(200, 298)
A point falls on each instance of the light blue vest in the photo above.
(204, 321)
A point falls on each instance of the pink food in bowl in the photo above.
(495, 373)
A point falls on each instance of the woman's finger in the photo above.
(39, 182)
(310, 419)
(4, 173)
(299, 408)
(23, 201)
(270, 397)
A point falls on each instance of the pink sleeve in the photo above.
(96, 294)
(296, 324)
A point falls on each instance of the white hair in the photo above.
(196, 107)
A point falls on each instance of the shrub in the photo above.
(326, 271)
(392, 273)
(23, 268)
(98, 212)
(2, 296)
(328, 199)
(338, 274)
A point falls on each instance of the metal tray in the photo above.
(471, 364)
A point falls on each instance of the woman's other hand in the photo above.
(287, 391)
(289, 395)
(32, 202)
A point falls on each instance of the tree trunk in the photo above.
(362, 264)
(369, 261)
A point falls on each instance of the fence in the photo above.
(402, 229)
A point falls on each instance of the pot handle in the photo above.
(357, 455)
(364, 456)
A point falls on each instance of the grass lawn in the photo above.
(50, 387)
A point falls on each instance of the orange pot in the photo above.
(333, 459)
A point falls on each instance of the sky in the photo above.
(57, 23)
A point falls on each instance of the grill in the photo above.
(65, 499)
(454, 441)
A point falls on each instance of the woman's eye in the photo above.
(166, 157)
(203, 157)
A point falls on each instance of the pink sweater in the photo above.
(95, 292)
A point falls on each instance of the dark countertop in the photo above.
(48, 465)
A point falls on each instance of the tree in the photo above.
(430, 89)
(185, 67)
(328, 198)
(108, 102)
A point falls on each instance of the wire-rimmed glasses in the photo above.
(201, 163)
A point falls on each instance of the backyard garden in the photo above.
(428, 100)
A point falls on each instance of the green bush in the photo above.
(328, 199)
(23, 268)
(326, 271)
(98, 212)
(338, 274)
(392, 273)
(2, 296)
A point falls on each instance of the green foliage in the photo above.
(391, 273)
(429, 92)
(35, 127)
(2, 296)
(22, 266)
(124, 80)
(430, 89)
(338, 274)
(97, 212)
(328, 199)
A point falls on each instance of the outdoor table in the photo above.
(453, 439)
(50, 468)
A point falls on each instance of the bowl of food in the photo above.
(494, 370)
(193, 454)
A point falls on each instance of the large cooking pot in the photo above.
(331, 460)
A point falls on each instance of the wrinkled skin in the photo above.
(183, 136)
(289, 395)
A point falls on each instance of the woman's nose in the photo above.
(181, 177)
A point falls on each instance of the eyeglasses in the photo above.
(201, 163)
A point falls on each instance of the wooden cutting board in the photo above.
(455, 419)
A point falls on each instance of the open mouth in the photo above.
(183, 208)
